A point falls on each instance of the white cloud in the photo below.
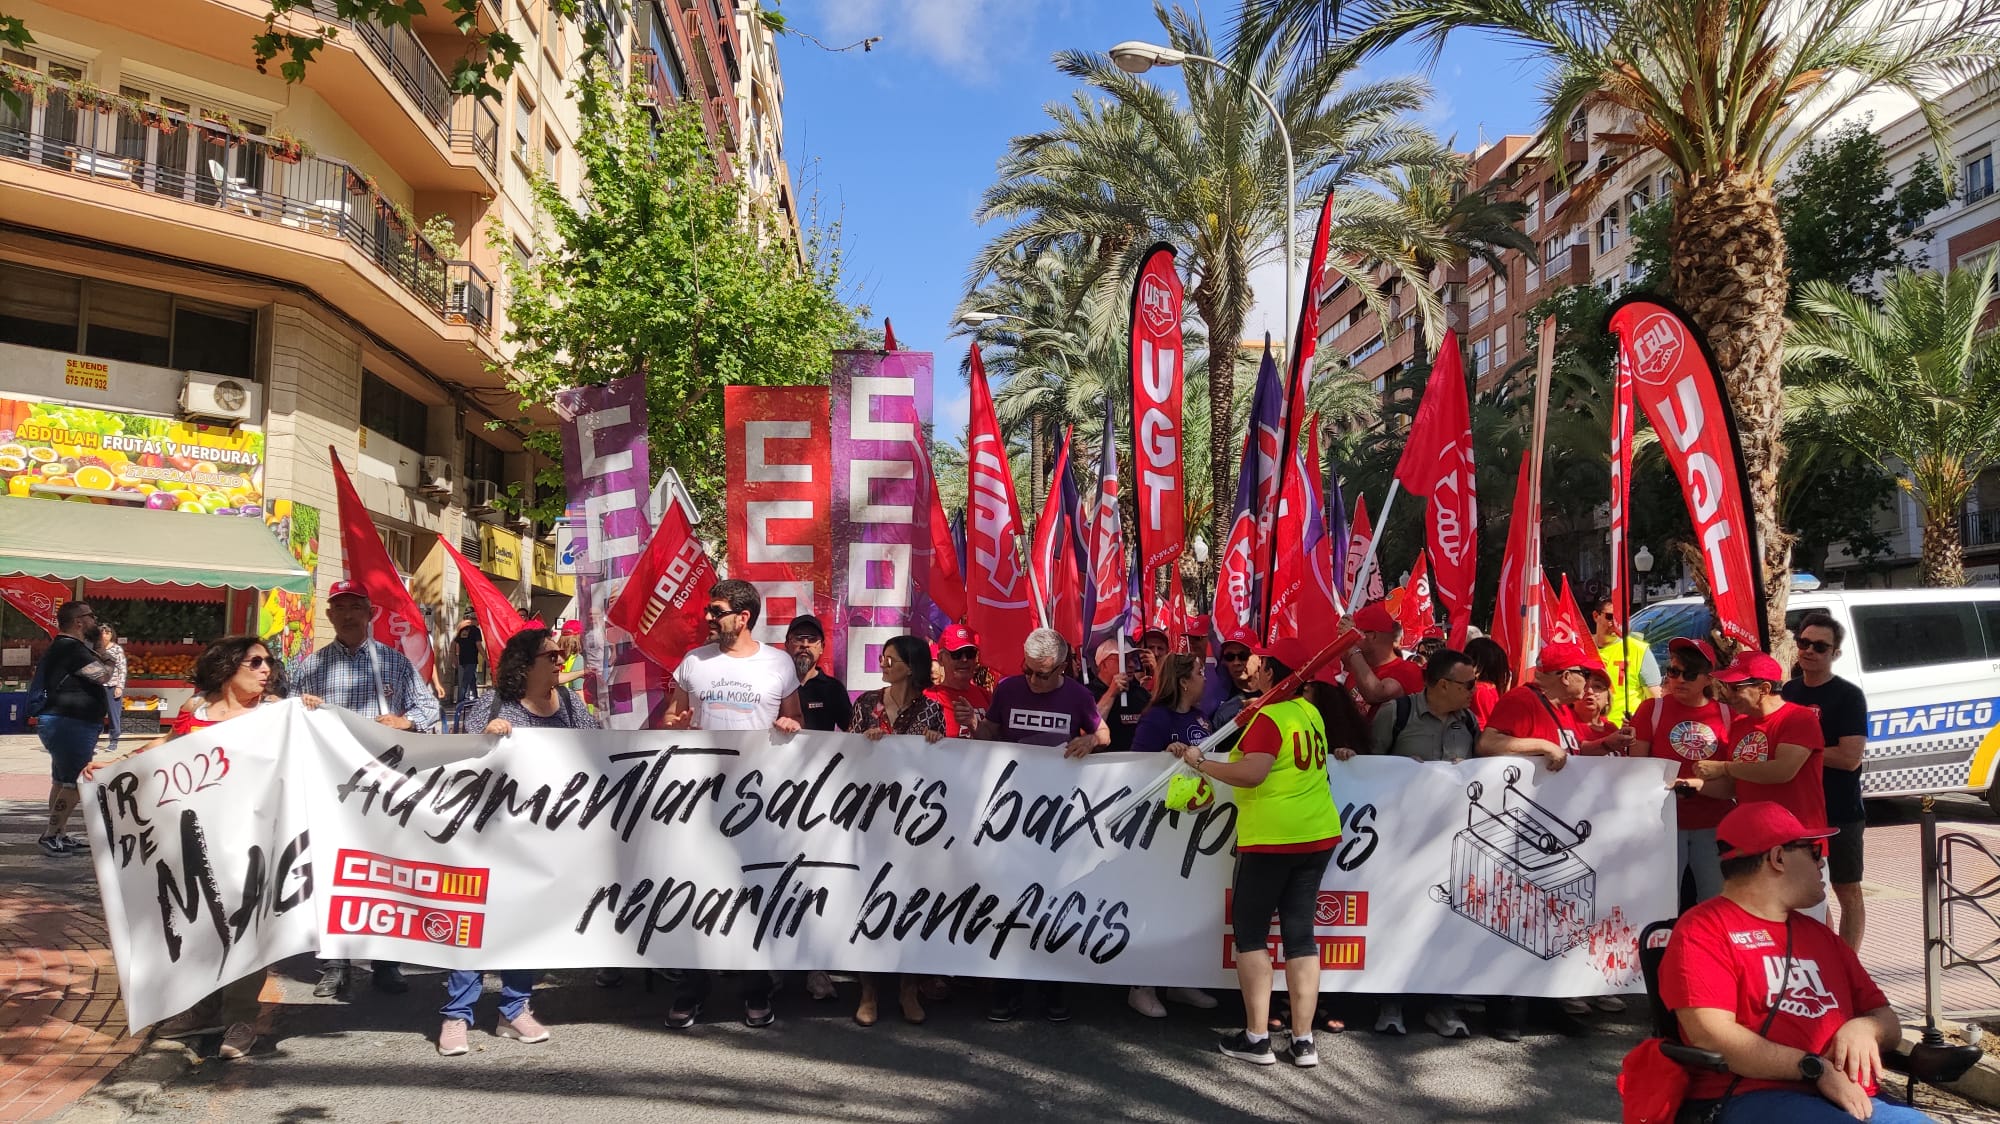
(967, 38)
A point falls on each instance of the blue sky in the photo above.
(898, 143)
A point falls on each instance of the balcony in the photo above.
(160, 181)
(1568, 266)
(468, 125)
(654, 89)
(1979, 528)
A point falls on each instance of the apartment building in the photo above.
(250, 272)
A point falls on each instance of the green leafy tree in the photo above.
(1913, 386)
(1129, 163)
(1727, 91)
(653, 271)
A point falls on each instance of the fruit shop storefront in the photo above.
(158, 523)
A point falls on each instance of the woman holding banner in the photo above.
(901, 707)
(232, 677)
(1287, 826)
(527, 693)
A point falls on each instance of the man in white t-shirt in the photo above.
(735, 682)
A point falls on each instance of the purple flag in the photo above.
(606, 471)
(881, 506)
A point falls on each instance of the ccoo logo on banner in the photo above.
(555, 849)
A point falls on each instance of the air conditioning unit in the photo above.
(221, 398)
(438, 478)
(482, 497)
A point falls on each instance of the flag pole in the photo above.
(1374, 541)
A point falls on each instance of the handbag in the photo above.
(1651, 1085)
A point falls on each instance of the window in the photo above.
(1911, 635)
(1532, 271)
(1608, 230)
(1663, 186)
(552, 157)
(388, 411)
(524, 128)
(1482, 354)
(524, 252)
(128, 323)
(530, 35)
(1499, 293)
(1367, 349)
(1638, 200)
(39, 309)
(398, 545)
(1480, 297)
(1979, 176)
(1500, 347)
(484, 461)
(219, 340)
(1634, 272)
(1532, 221)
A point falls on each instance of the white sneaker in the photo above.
(1189, 997)
(1575, 1006)
(1389, 1018)
(1446, 1022)
(1610, 1003)
(1146, 1002)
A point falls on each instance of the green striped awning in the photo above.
(59, 539)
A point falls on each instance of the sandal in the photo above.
(1330, 1025)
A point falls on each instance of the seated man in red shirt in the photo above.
(1784, 1001)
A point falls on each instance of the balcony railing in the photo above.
(468, 124)
(475, 128)
(1980, 528)
(201, 164)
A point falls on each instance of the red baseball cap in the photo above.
(1376, 618)
(1434, 633)
(346, 588)
(1159, 632)
(957, 638)
(1751, 664)
(1701, 648)
(1756, 826)
(1563, 657)
(572, 628)
(1197, 626)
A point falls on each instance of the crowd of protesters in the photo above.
(1767, 767)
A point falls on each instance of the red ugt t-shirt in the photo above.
(1757, 739)
(1674, 731)
(1525, 712)
(1724, 957)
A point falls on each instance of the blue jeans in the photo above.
(462, 989)
(467, 683)
(1783, 1106)
(71, 743)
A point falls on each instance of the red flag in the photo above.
(498, 619)
(1107, 540)
(1521, 583)
(1675, 382)
(947, 586)
(1437, 464)
(1302, 589)
(1055, 564)
(888, 335)
(1416, 612)
(1281, 549)
(398, 623)
(664, 602)
(1621, 490)
(999, 601)
(1157, 435)
(1565, 624)
(36, 598)
(1359, 532)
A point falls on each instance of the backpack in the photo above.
(38, 693)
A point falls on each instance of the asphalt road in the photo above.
(373, 1060)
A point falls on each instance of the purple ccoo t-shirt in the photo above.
(1052, 719)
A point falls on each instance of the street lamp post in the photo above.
(1642, 564)
(1137, 57)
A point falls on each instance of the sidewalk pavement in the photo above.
(1892, 947)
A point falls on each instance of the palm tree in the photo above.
(1726, 91)
(1209, 176)
(1914, 388)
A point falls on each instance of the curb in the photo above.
(133, 1084)
(1980, 1084)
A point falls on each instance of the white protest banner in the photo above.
(569, 849)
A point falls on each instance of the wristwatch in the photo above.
(1812, 1067)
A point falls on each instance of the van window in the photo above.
(1910, 635)
(1989, 615)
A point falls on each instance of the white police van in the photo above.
(1929, 662)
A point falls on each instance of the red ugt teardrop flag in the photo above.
(398, 623)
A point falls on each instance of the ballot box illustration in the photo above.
(1515, 871)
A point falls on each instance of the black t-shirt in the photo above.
(1123, 718)
(1843, 713)
(70, 694)
(825, 703)
(468, 639)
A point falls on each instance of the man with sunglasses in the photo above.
(1775, 747)
(1534, 720)
(823, 701)
(1228, 687)
(1751, 975)
(1628, 662)
(957, 689)
(1122, 693)
(360, 673)
(1843, 725)
(735, 682)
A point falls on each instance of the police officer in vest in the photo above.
(1286, 829)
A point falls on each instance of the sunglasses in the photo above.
(1674, 672)
(716, 614)
(1235, 657)
(552, 657)
(1816, 846)
(1820, 646)
(964, 654)
(255, 662)
(1031, 673)
(1581, 673)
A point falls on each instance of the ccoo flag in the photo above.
(664, 602)
(398, 622)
